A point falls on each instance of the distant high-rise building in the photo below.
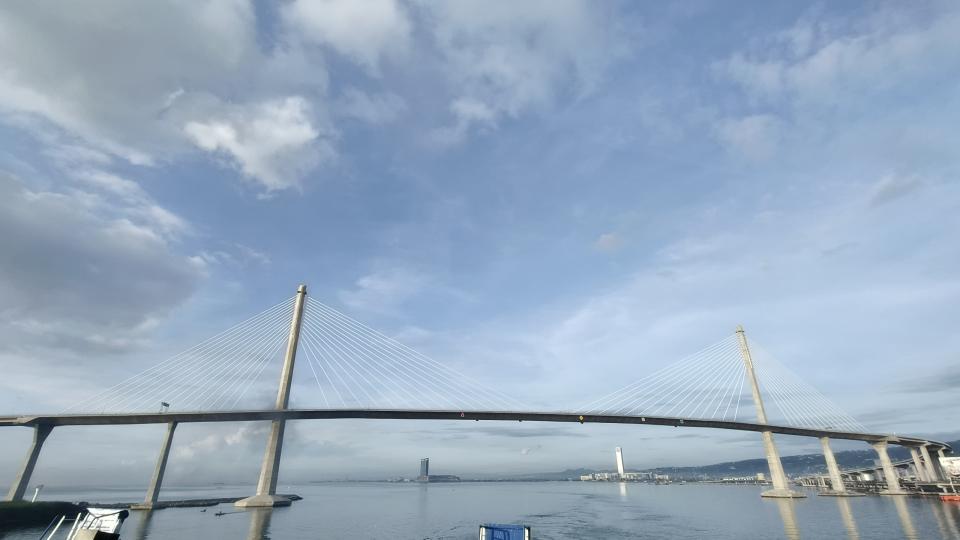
(620, 462)
(425, 475)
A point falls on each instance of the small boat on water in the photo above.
(498, 531)
(95, 524)
(954, 497)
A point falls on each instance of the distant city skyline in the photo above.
(555, 198)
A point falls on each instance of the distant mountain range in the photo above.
(793, 465)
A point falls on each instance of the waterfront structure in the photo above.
(426, 477)
(625, 477)
(619, 453)
(353, 346)
(951, 465)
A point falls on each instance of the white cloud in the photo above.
(235, 254)
(371, 108)
(273, 143)
(133, 102)
(132, 201)
(69, 155)
(383, 291)
(84, 76)
(468, 114)
(82, 272)
(505, 58)
(249, 437)
(366, 32)
(893, 186)
(111, 183)
(755, 136)
(827, 61)
(250, 254)
(608, 242)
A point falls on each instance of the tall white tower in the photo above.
(619, 462)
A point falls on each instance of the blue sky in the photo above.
(556, 196)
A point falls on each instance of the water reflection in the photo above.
(623, 490)
(595, 511)
(941, 523)
(903, 512)
(952, 511)
(142, 532)
(947, 516)
(789, 517)
(847, 515)
(423, 503)
(259, 523)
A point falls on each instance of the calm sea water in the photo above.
(582, 510)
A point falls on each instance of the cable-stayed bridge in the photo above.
(364, 374)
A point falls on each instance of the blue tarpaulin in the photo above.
(496, 531)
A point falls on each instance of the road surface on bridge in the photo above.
(409, 414)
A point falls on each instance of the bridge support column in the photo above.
(938, 465)
(932, 471)
(942, 454)
(778, 478)
(267, 485)
(889, 473)
(22, 480)
(836, 481)
(153, 492)
(918, 465)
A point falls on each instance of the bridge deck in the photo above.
(405, 414)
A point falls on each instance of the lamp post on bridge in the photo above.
(267, 485)
(777, 477)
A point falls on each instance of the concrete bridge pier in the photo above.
(932, 469)
(778, 478)
(838, 489)
(944, 475)
(889, 473)
(22, 480)
(153, 492)
(918, 466)
(269, 470)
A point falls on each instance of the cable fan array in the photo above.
(354, 366)
(357, 367)
(712, 384)
(794, 402)
(707, 385)
(213, 375)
